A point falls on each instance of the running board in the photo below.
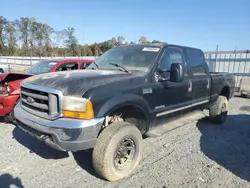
(175, 123)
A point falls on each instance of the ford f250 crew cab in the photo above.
(126, 93)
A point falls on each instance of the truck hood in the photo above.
(77, 82)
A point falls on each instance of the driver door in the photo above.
(172, 97)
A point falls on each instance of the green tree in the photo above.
(34, 31)
(86, 51)
(3, 22)
(11, 37)
(71, 41)
(47, 32)
(143, 40)
(96, 50)
(27, 36)
(57, 41)
(155, 41)
(24, 29)
(105, 46)
(120, 40)
(114, 42)
(42, 41)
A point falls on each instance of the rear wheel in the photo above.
(218, 112)
(1, 71)
(117, 151)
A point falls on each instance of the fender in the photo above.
(218, 91)
(123, 100)
(225, 84)
(16, 92)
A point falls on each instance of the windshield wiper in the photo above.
(120, 66)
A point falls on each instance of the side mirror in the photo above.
(176, 72)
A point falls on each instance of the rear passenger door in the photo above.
(200, 78)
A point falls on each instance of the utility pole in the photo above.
(216, 53)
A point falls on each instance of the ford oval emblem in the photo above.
(30, 100)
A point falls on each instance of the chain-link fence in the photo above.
(237, 62)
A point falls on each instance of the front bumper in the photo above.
(7, 104)
(63, 134)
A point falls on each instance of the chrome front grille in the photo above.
(40, 101)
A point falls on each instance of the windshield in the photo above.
(132, 58)
(41, 67)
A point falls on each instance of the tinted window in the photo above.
(171, 55)
(196, 57)
(197, 62)
(67, 67)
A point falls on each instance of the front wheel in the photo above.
(117, 151)
(218, 112)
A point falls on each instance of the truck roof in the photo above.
(161, 45)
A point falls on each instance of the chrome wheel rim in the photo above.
(125, 153)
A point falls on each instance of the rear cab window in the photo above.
(197, 62)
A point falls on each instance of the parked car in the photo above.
(10, 82)
(132, 92)
(5, 68)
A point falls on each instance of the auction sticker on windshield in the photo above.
(147, 49)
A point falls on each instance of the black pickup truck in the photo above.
(125, 94)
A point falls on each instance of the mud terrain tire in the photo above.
(117, 151)
(218, 112)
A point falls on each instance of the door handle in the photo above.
(189, 86)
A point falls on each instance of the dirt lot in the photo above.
(199, 154)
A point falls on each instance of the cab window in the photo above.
(170, 56)
(197, 62)
(68, 66)
(85, 65)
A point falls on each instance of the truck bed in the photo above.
(221, 74)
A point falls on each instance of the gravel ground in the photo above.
(198, 154)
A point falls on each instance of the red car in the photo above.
(10, 82)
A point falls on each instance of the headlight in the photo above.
(75, 107)
(5, 90)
